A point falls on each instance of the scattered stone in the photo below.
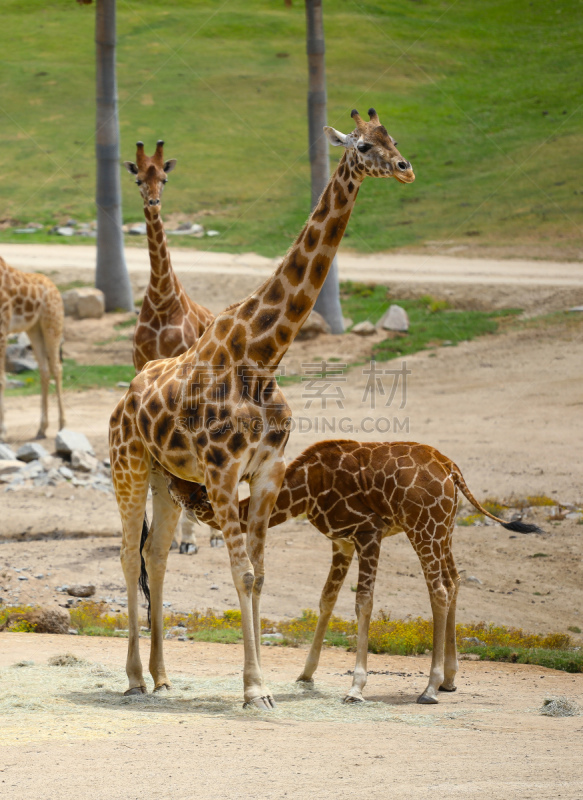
(11, 383)
(81, 590)
(40, 576)
(84, 303)
(576, 308)
(473, 579)
(123, 384)
(469, 657)
(83, 461)
(65, 230)
(137, 229)
(66, 473)
(67, 441)
(212, 233)
(365, 328)
(394, 319)
(347, 322)
(313, 326)
(26, 230)
(73, 632)
(8, 468)
(6, 453)
(166, 604)
(20, 358)
(22, 578)
(31, 451)
(272, 636)
(188, 229)
(214, 587)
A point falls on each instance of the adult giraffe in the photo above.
(169, 322)
(216, 416)
(356, 494)
(32, 303)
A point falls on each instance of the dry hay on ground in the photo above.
(85, 700)
(560, 707)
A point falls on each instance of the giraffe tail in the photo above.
(143, 582)
(515, 525)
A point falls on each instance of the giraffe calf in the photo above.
(356, 494)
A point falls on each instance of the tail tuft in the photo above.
(521, 527)
(143, 582)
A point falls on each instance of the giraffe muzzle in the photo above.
(154, 202)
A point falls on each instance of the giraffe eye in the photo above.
(165, 180)
(139, 182)
(363, 148)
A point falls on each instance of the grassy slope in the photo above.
(463, 87)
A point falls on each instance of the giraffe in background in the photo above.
(356, 494)
(169, 322)
(216, 416)
(32, 303)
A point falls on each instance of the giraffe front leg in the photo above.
(37, 342)
(368, 548)
(156, 549)
(342, 553)
(225, 501)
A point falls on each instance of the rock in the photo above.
(6, 453)
(66, 473)
(188, 229)
(20, 358)
(12, 384)
(394, 319)
(272, 635)
(84, 303)
(313, 326)
(473, 579)
(365, 328)
(576, 308)
(212, 233)
(137, 229)
(83, 461)
(469, 657)
(214, 587)
(8, 468)
(65, 231)
(123, 384)
(81, 590)
(67, 441)
(347, 322)
(31, 451)
(22, 578)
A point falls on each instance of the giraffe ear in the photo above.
(335, 137)
(131, 167)
(169, 165)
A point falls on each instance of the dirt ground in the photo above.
(506, 408)
(68, 733)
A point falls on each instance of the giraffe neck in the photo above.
(285, 300)
(259, 330)
(162, 288)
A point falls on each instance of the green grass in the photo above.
(77, 377)
(484, 98)
(565, 660)
(431, 324)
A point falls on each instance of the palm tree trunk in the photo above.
(328, 302)
(111, 273)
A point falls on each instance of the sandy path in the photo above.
(487, 740)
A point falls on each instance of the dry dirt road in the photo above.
(67, 733)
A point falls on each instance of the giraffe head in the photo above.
(372, 148)
(150, 172)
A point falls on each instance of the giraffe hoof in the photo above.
(350, 700)
(159, 687)
(426, 700)
(188, 549)
(307, 683)
(135, 690)
(448, 688)
(265, 703)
